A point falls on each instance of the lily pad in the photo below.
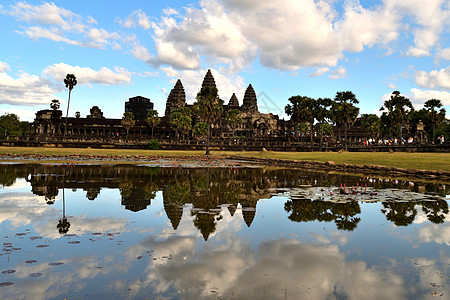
(52, 264)
(8, 283)
(9, 271)
(35, 274)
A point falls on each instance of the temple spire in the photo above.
(209, 80)
(250, 103)
(233, 103)
(176, 98)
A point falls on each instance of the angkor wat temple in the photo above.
(254, 123)
(256, 131)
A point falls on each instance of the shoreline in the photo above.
(226, 161)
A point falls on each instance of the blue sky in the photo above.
(283, 48)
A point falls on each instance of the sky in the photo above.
(284, 48)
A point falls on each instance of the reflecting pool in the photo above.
(143, 232)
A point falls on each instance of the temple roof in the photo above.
(176, 98)
(209, 80)
(233, 102)
(250, 102)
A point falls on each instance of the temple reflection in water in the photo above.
(208, 190)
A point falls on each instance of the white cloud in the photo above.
(436, 79)
(430, 20)
(207, 31)
(136, 18)
(99, 38)
(444, 54)
(319, 72)
(36, 32)
(4, 67)
(340, 72)
(420, 96)
(26, 89)
(48, 14)
(61, 25)
(88, 76)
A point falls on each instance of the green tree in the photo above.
(345, 111)
(55, 105)
(371, 124)
(323, 115)
(293, 110)
(152, 119)
(10, 125)
(396, 112)
(435, 117)
(209, 108)
(128, 121)
(233, 119)
(200, 130)
(70, 81)
(181, 119)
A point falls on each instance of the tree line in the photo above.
(397, 114)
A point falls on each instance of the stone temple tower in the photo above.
(176, 98)
(250, 103)
(233, 103)
(209, 80)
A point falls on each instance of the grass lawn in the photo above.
(423, 161)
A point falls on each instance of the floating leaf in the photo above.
(9, 271)
(8, 283)
(139, 257)
(55, 263)
(35, 238)
(42, 246)
(31, 261)
(20, 234)
(70, 234)
(36, 274)
(97, 233)
(74, 242)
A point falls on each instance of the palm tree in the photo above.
(345, 110)
(396, 111)
(209, 108)
(293, 111)
(152, 119)
(70, 81)
(435, 117)
(128, 121)
(233, 119)
(55, 105)
(323, 114)
(307, 110)
(371, 124)
(181, 119)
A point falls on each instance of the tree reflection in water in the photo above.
(207, 190)
(342, 214)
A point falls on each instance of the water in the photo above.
(139, 232)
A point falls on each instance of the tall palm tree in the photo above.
(435, 117)
(152, 119)
(233, 119)
(55, 104)
(181, 119)
(209, 108)
(70, 81)
(323, 114)
(396, 111)
(128, 121)
(345, 110)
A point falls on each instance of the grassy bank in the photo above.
(422, 161)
